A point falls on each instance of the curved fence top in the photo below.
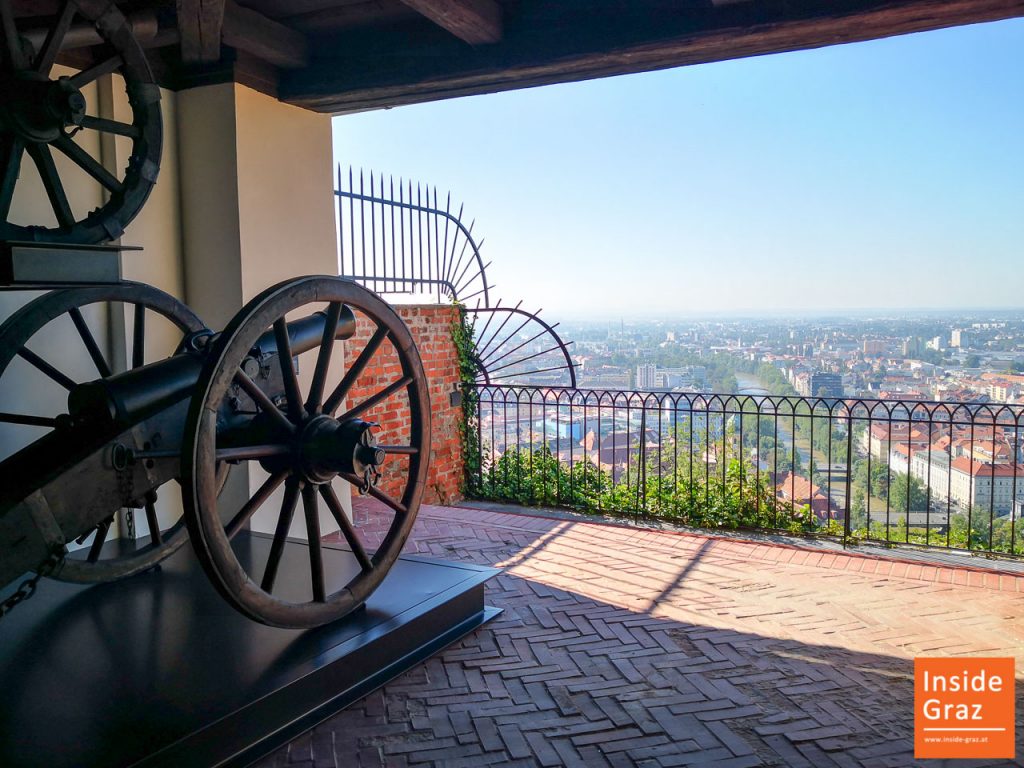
(398, 239)
(515, 346)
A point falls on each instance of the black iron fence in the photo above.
(935, 474)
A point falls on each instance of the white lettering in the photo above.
(935, 710)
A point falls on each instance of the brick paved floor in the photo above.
(622, 647)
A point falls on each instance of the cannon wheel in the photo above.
(27, 127)
(243, 574)
(123, 558)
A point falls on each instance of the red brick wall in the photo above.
(430, 326)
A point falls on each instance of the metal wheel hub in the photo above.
(38, 109)
(326, 447)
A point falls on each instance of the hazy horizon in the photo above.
(1000, 313)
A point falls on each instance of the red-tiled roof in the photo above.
(981, 469)
(798, 488)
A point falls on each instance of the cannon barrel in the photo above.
(307, 333)
(127, 397)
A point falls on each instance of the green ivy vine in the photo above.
(462, 331)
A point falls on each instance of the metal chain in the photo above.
(129, 518)
(27, 588)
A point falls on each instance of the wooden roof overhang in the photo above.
(342, 56)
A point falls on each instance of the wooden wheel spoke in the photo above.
(87, 163)
(291, 381)
(260, 398)
(155, 536)
(30, 421)
(316, 560)
(284, 522)
(105, 67)
(375, 400)
(323, 358)
(90, 342)
(400, 450)
(357, 368)
(375, 493)
(349, 532)
(36, 361)
(40, 154)
(12, 42)
(250, 507)
(139, 336)
(12, 163)
(110, 126)
(55, 38)
(250, 452)
(97, 543)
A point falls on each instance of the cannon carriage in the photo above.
(69, 498)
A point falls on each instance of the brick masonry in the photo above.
(430, 326)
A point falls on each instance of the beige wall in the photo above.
(286, 192)
(211, 243)
(257, 196)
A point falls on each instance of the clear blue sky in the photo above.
(880, 174)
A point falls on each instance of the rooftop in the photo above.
(632, 646)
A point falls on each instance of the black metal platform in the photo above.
(159, 671)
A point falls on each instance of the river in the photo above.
(748, 384)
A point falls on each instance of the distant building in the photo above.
(989, 486)
(646, 376)
(960, 339)
(874, 347)
(826, 385)
(801, 381)
(912, 346)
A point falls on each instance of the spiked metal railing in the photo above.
(396, 239)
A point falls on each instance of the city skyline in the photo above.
(876, 175)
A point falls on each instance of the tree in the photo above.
(914, 500)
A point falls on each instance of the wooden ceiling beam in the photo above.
(200, 23)
(477, 22)
(264, 38)
(359, 73)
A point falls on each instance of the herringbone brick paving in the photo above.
(629, 647)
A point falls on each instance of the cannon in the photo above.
(68, 497)
(223, 399)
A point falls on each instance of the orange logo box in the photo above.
(963, 708)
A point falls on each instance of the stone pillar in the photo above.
(257, 208)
